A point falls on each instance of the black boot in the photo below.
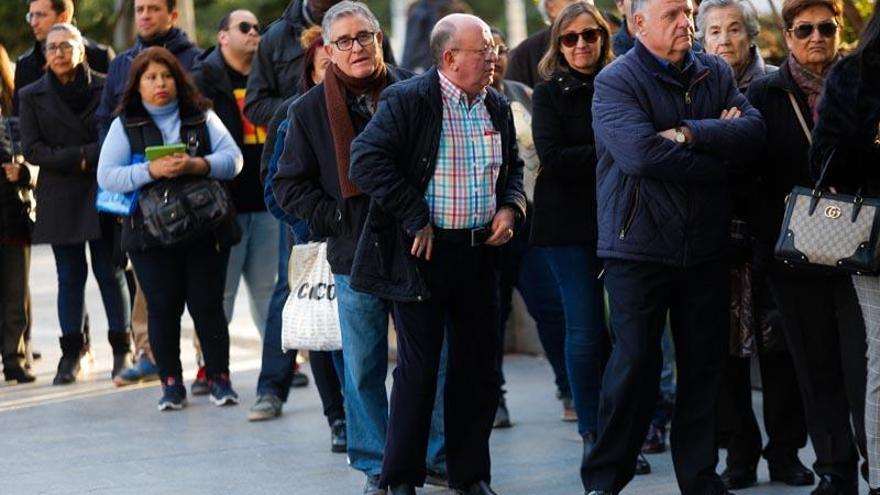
(71, 352)
(121, 344)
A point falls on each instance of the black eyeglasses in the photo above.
(589, 35)
(245, 27)
(64, 47)
(803, 31)
(364, 38)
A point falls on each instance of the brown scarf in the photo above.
(810, 83)
(335, 85)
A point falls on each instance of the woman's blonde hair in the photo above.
(553, 61)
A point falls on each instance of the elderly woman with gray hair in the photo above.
(59, 135)
(729, 28)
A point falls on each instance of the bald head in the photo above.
(449, 30)
(465, 52)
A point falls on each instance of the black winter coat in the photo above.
(849, 126)
(307, 182)
(212, 78)
(784, 162)
(565, 192)
(175, 41)
(393, 161)
(57, 141)
(31, 65)
(277, 66)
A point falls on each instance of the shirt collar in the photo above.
(688, 62)
(451, 92)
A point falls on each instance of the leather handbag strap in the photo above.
(800, 116)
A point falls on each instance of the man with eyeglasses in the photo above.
(278, 64)
(440, 163)
(42, 15)
(664, 227)
(312, 183)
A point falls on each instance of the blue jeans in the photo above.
(364, 322)
(526, 268)
(254, 259)
(276, 371)
(70, 263)
(576, 269)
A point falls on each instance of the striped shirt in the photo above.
(461, 194)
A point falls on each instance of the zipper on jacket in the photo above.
(631, 212)
(688, 99)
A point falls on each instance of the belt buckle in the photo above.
(479, 236)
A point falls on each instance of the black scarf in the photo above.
(76, 94)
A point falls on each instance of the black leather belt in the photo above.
(470, 237)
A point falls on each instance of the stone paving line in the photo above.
(92, 438)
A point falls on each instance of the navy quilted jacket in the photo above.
(660, 201)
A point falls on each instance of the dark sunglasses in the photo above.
(803, 31)
(245, 27)
(589, 35)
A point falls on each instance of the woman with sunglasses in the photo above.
(564, 220)
(821, 319)
(849, 127)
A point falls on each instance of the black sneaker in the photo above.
(173, 395)
(221, 391)
(338, 437)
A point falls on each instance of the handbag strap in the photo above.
(800, 116)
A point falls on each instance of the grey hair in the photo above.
(70, 29)
(347, 8)
(441, 35)
(746, 9)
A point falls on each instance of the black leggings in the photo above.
(193, 274)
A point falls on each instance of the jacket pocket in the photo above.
(631, 210)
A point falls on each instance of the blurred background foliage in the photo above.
(98, 19)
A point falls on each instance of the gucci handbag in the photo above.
(828, 229)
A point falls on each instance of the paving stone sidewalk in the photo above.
(92, 438)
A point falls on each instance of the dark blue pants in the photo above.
(463, 306)
(276, 371)
(697, 300)
(192, 274)
(576, 269)
(72, 268)
(526, 268)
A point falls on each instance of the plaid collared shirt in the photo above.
(461, 194)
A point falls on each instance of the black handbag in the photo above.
(184, 208)
(829, 229)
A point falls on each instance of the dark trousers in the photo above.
(825, 333)
(525, 268)
(641, 294)
(783, 411)
(464, 303)
(276, 370)
(192, 274)
(15, 262)
(327, 369)
(73, 270)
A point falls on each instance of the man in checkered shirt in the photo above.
(440, 163)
